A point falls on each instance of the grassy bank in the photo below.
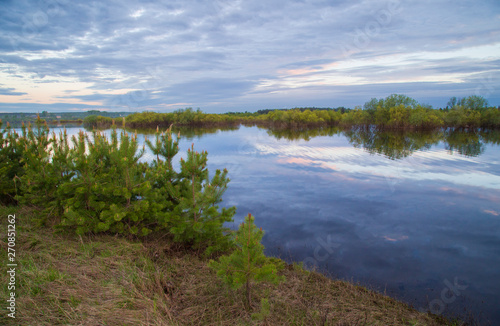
(64, 279)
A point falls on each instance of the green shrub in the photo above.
(96, 184)
(43, 171)
(97, 121)
(247, 264)
(11, 167)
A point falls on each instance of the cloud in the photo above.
(492, 212)
(253, 54)
(315, 64)
(209, 89)
(10, 91)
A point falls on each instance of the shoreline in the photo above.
(113, 280)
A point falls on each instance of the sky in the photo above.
(230, 55)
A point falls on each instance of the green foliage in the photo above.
(98, 184)
(372, 105)
(108, 189)
(42, 173)
(196, 218)
(396, 111)
(247, 264)
(11, 166)
(396, 100)
(471, 112)
(490, 118)
(183, 117)
(190, 198)
(97, 121)
(460, 117)
(399, 116)
(265, 310)
(297, 118)
(164, 146)
(473, 102)
(424, 118)
(17, 118)
(355, 117)
(401, 112)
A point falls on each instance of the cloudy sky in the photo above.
(229, 55)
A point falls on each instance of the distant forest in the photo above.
(18, 118)
(397, 111)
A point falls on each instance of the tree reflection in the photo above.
(185, 132)
(392, 144)
(491, 136)
(466, 143)
(305, 133)
(400, 144)
(194, 132)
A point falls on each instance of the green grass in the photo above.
(64, 279)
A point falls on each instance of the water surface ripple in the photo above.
(415, 216)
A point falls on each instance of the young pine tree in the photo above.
(11, 167)
(122, 185)
(187, 200)
(247, 264)
(80, 203)
(164, 145)
(196, 219)
(108, 192)
(45, 167)
(163, 178)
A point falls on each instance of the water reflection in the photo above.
(406, 213)
(303, 134)
(401, 144)
(409, 220)
(394, 145)
(186, 132)
(465, 143)
(491, 136)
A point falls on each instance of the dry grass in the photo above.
(104, 280)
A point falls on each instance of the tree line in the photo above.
(395, 112)
(17, 118)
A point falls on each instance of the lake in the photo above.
(412, 215)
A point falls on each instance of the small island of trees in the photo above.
(395, 112)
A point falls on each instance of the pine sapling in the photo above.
(247, 264)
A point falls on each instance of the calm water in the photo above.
(414, 215)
